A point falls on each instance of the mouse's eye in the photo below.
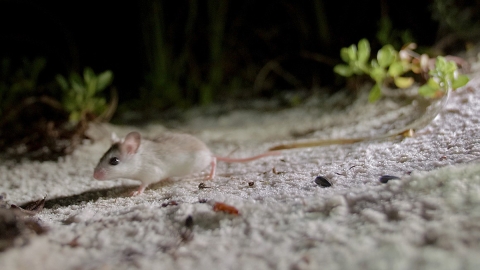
(114, 161)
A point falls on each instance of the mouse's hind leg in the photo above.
(213, 167)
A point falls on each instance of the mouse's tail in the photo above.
(231, 160)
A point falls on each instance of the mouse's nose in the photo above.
(99, 174)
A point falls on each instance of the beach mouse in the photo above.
(149, 161)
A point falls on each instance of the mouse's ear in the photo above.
(114, 138)
(131, 142)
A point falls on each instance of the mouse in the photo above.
(168, 155)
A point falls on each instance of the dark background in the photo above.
(111, 35)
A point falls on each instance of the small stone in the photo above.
(189, 222)
(251, 184)
(322, 181)
(385, 178)
(202, 186)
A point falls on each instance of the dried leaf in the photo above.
(36, 206)
(31, 208)
(169, 203)
(222, 207)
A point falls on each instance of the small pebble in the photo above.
(189, 222)
(322, 181)
(202, 200)
(250, 184)
(202, 186)
(385, 178)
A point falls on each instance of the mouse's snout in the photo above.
(99, 174)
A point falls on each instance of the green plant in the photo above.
(164, 69)
(390, 66)
(217, 13)
(386, 34)
(442, 78)
(81, 96)
(15, 85)
(458, 17)
(178, 73)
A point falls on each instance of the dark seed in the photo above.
(385, 178)
(250, 184)
(189, 222)
(202, 186)
(322, 181)
(202, 200)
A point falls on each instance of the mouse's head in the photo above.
(119, 160)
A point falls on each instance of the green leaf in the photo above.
(440, 63)
(403, 82)
(352, 52)
(363, 50)
(343, 70)
(378, 74)
(62, 82)
(344, 55)
(433, 84)
(427, 91)
(357, 68)
(450, 67)
(88, 75)
(77, 83)
(375, 93)
(386, 55)
(91, 87)
(104, 79)
(396, 69)
(460, 81)
(385, 29)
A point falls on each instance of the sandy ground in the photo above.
(430, 219)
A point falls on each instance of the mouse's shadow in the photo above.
(95, 194)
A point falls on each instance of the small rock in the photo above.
(322, 181)
(189, 222)
(385, 178)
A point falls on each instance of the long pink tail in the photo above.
(231, 160)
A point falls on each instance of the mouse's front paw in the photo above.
(139, 191)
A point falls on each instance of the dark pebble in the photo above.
(250, 184)
(189, 222)
(202, 200)
(322, 181)
(202, 186)
(385, 178)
